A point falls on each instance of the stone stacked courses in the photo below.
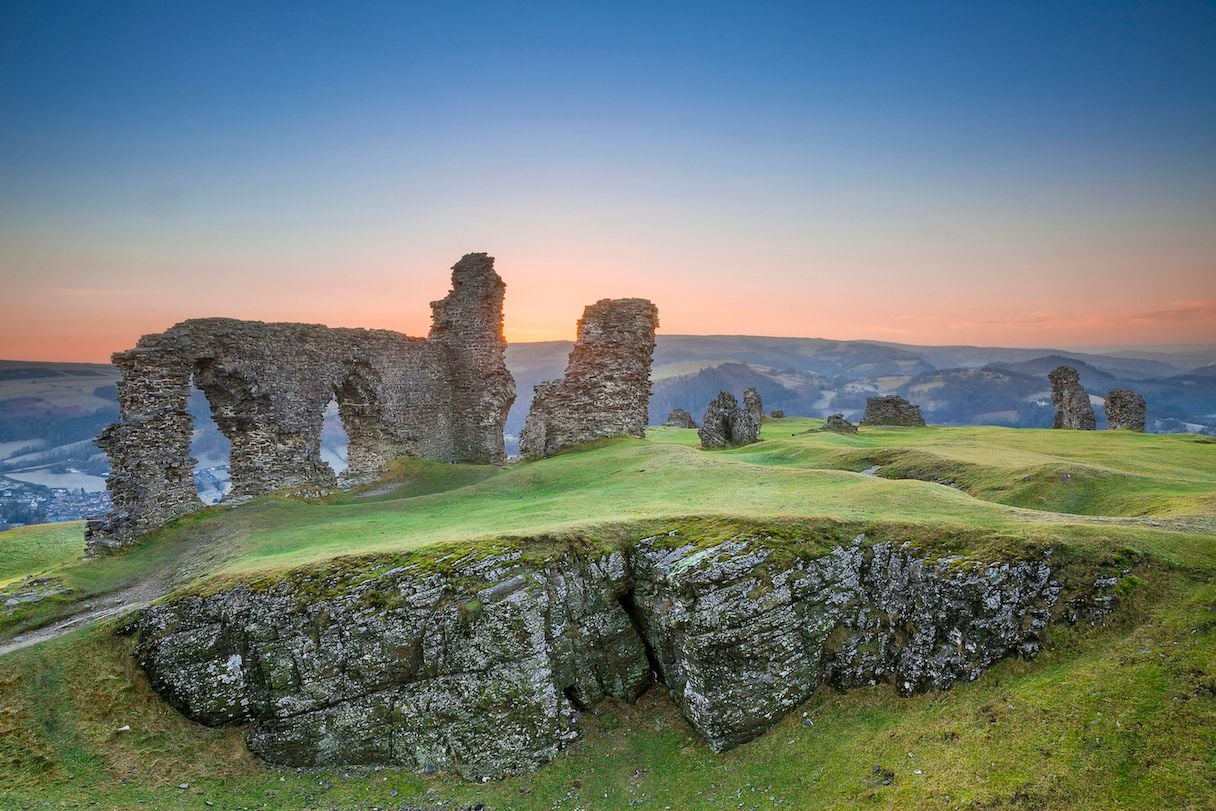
(443, 398)
(606, 388)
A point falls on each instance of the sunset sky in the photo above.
(1018, 174)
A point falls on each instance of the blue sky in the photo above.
(1018, 173)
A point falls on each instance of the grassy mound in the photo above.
(1122, 715)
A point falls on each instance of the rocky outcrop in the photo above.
(679, 418)
(838, 424)
(892, 410)
(1073, 409)
(606, 388)
(268, 385)
(751, 417)
(726, 425)
(1124, 411)
(777, 414)
(483, 665)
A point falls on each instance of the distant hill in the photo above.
(961, 385)
(49, 412)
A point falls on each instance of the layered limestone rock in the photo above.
(1124, 410)
(837, 423)
(606, 388)
(679, 418)
(892, 410)
(1073, 409)
(726, 425)
(268, 385)
(483, 667)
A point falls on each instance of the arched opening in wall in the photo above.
(335, 442)
(211, 450)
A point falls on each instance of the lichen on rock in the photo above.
(483, 667)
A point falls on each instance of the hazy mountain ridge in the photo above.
(50, 411)
(954, 384)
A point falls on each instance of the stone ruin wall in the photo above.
(1124, 410)
(1073, 409)
(606, 388)
(726, 425)
(892, 410)
(444, 398)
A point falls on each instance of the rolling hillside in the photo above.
(49, 412)
(1118, 715)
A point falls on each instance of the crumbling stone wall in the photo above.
(892, 410)
(1073, 409)
(442, 398)
(726, 425)
(837, 423)
(679, 418)
(1124, 410)
(606, 388)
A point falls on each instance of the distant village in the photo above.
(23, 503)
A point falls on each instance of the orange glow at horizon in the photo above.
(545, 298)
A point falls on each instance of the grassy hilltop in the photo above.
(1120, 715)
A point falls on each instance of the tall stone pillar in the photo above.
(1073, 409)
(152, 473)
(606, 389)
(1124, 411)
(468, 321)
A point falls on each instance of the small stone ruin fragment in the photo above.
(726, 425)
(839, 424)
(1073, 409)
(1124, 410)
(679, 418)
(606, 388)
(892, 410)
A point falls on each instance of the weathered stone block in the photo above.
(1124, 410)
(606, 388)
(837, 423)
(1073, 409)
(726, 425)
(502, 654)
(679, 418)
(892, 410)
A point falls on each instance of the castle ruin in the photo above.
(606, 387)
(892, 410)
(1124, 411)
(727, 425)
(1073, 409)
(444, 397)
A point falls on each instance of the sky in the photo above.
(1014, 174)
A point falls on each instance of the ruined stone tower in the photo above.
(1124, 410)
(1073, 409)
(443, 398)
(606, 388)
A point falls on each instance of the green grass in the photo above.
(1120, 716)
(30, 551)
